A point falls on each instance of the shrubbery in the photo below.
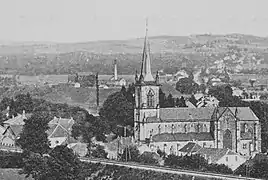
(195, 162)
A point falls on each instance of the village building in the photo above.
(214, 155)
(169, 129)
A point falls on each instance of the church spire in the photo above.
(146, 73)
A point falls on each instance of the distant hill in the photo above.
(168, 52)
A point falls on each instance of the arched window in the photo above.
(205, 129)
(172, 128)
(150, 99)
(246, 127)
(171, 150)
(159, 129)
(185, 128)
(192, 128)
(166, 128)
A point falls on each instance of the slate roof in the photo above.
(214, 153)
(243, 113)
(189, 114)
(59, 131)
(65, 123)
(190, 147)
(169, 137)
(15, 129)
(2, 130)
(18, 120)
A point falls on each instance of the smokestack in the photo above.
(97, 89)
(115, 70)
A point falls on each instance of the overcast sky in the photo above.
(88, 20)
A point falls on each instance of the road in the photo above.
(165, 169)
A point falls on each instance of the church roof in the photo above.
(242, 113)
(177, 114)
(168, 137)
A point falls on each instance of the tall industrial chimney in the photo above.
(115, 70)
(97, 90)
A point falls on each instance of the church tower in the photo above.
(146, 95)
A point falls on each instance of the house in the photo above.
(79, 148)
(18, 120)
(189, 149)
(13, 127)
(222, 156)
(11, 133)
(59, 132)
(2, 130)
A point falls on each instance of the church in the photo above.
(169, 129)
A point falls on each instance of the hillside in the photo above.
(168, 54)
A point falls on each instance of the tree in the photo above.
(87, 126)
(131, 153)
(60, 163)
(148, 158)
(117, 110)
(34, 137)
(252, 81)
(170, 101)
(187, 86)
(98, 151)
(23, 102)
(180, 102)
(162, 98)
(64, 164)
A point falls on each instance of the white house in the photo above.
(222, 156)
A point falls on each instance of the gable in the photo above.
(59, 131)
(242, 113)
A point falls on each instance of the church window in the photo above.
(172, 130)
(204, 144)
(246, 127)
(226, 159)
(166, 127)
(185, 128)
(205, 128)
(159, 129)
(244, 146)
(150, 99)
(172, 150)
(192, 128)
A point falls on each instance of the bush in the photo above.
(10, 160)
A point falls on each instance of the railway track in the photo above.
(166, 169)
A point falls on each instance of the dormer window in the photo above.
(150, 99)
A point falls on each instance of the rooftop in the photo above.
(168, 137)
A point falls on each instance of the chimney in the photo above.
(115, 70)
(97, 90)
(23, 114)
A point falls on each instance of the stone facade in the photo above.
(167, 129)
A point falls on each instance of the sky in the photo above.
(91, 20)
